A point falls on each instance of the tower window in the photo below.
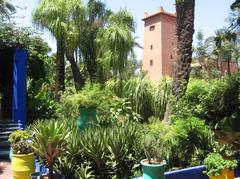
(151, 47)
(151, 28)
(171, 56)
(151, 62)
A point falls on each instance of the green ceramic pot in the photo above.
(10, 153)
(87, 115)
(153, 171)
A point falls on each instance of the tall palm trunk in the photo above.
(60, 68)
(185, 30)
(91, 60)
(77, 76)
(228, 67)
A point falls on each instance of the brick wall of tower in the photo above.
(169, 44)
(152, 49)
(159, 51)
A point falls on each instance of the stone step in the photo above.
(3, 138)
(4, 154)
(4, 144)
(8, 125)
(5, 133)
(6, 121)
(9, 129)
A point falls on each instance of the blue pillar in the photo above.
(19, 87)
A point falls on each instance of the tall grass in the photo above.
(147, 99)
(161, 94)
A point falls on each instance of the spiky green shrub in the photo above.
(84, 172)
(139, 92)
(124, 146)
(161, 95)
(49, 141)
(93, 144)
(110, 151)
(146, 98)
(116, 86)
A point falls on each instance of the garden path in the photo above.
(5, 170)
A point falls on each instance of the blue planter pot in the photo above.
(87, 115)
(153, 171)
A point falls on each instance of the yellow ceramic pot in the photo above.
(225, 174)
(23, 165)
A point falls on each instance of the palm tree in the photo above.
(75, 22)
(225, 42)
(235, 16)
(6, 8)
(97, 17)
(50, 15)
(63, 19)
(117, 42)
(185, 30)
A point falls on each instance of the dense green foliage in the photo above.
(211, 100)
(96, 47)
(146, 99)
(193, 141)
(102, 152)
(216, 164)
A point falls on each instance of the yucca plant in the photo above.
(139, 92)
(84, 172)
(161, 94)
(93, 146)
(117, 146)
(121, 146)
(49, 141)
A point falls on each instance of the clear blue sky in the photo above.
(209, 14)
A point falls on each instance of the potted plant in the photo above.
(15, 137)
(88, 101)
(49, 141)
(156, 148)
(22, 155)
(217, 167)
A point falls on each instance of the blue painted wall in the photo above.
(19, 86)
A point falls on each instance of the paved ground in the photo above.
(5, 170)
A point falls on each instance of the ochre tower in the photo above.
(160, 44)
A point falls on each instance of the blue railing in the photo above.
(193, 173)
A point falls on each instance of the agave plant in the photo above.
(49, 141)
(93, 144)
(84, 172)
(122, 139)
